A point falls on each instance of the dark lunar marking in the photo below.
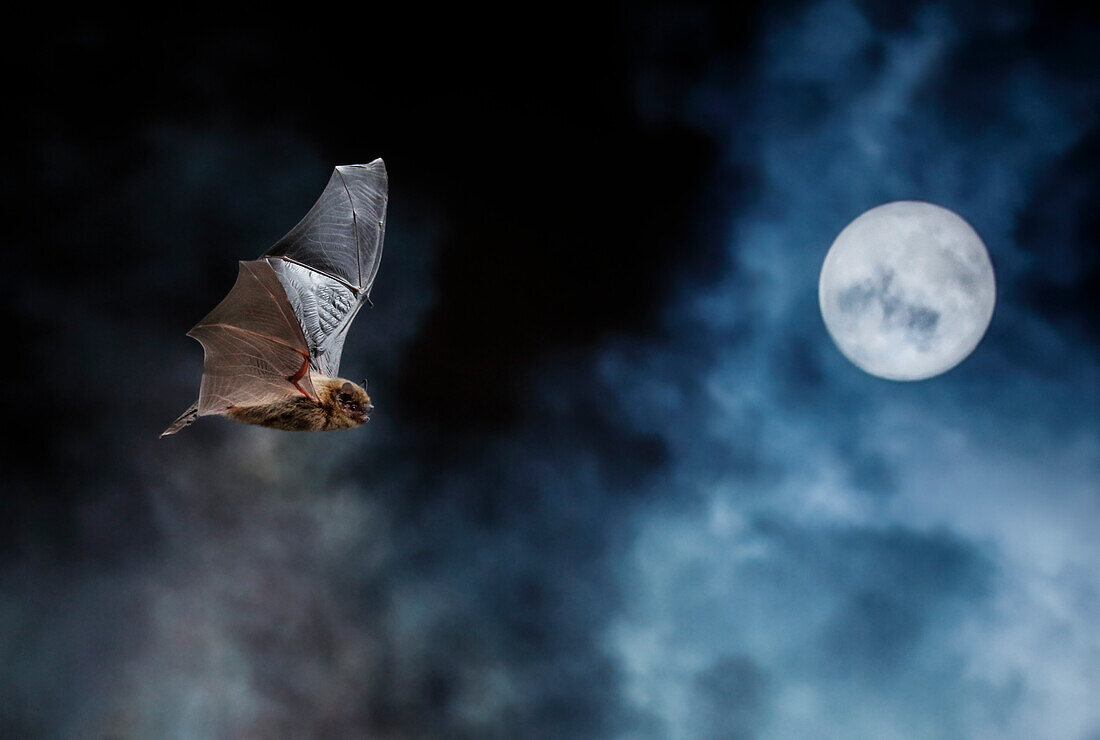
(923, 319)
(856, 298)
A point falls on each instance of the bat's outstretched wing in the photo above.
(327, 262)
(254, 346)
(292, 307)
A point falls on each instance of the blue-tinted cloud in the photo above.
(897, 560)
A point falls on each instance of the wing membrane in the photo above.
(254, 346)
(327, 263)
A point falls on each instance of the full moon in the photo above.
(907, 290)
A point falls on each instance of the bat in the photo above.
(272, 346)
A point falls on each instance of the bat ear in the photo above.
(367, 389)
(347, 388)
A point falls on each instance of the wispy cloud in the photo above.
(871, 559)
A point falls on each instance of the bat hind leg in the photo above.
(296, 378)
(185, 419)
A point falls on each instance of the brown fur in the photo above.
(301, 414)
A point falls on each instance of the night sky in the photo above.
(619, 482)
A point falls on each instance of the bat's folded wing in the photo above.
(327, 263)
(255, 351)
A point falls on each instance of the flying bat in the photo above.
(272, 346)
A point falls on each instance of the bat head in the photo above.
(354, 402)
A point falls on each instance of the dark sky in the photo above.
(619, 482)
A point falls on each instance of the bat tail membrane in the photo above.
(186, 419)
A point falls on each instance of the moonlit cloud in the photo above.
(885, 560)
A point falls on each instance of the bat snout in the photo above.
(364, 415)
